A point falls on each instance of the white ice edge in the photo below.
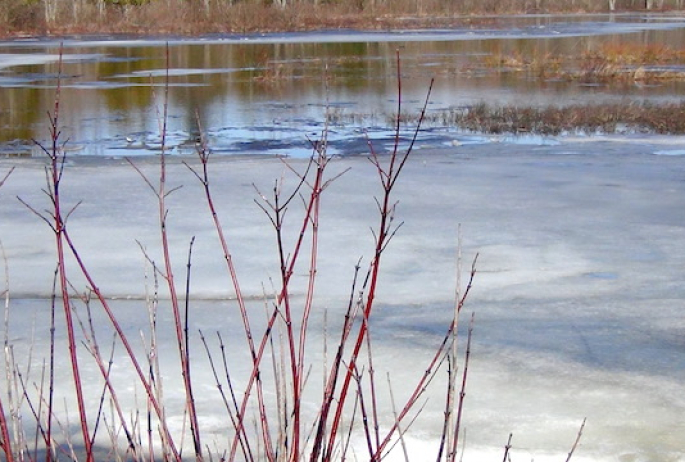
(397, 35)
(25, 59)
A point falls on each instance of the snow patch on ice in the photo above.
(670, 152)
(25, 59)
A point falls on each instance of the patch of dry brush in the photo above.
(553, 120)
(58, 17)
(608, 64)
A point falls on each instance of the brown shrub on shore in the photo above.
(60, 17)
(553, 120)
(609, 63)
(623, 117)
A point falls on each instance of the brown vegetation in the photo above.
(197, 17)
(553, 120)
(610, 63)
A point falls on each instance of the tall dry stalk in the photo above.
(57, 221)
(6, 443)
(161, 192)
(388, 172)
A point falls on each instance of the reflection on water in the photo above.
(267, 94)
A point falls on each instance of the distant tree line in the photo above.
(459, 5)
(193, 16)
(646, 4)
(474, 5)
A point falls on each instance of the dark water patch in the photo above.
(293, 80)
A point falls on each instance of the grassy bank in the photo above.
(553, 120)
(614, 64)
(606, 118)
(185, 17)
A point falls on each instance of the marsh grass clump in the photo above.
(546, 121)
(635, 53)
(636, 117)
(55, 17)
(544, 66)
(609, 64)
(587, 118)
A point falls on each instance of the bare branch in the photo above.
(334, 178)
(507, 448)
(143, 176)
(417, 129)
(172, 190)
(301, 176)
(7, 175)
(575, 443)
(37, 213)
(72, 210)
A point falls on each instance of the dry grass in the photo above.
(21, 17)
(636, 53)
(553, 120)
(609, 64)
(624, 117)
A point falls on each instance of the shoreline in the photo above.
(319, 22)
(649, 144)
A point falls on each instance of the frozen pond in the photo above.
(579, 293)
(578, 299)
(265, 94)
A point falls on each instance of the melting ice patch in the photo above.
(25, 59)
(670, 152)
(569, 324)
(178, 72)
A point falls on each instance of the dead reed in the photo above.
(586, 118)
(60, 17)
(610, 64)
(591, 118)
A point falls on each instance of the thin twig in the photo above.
(403, 443)
(507, 448)
(7, 175)
(575, 443)
(462, 392)
(6, 443)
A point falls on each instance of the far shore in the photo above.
(23, 20)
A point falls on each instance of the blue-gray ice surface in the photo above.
(579, 294)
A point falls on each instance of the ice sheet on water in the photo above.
(554, 26)
(670, 152)
(531, 139)
(578, 295)
(98, 85)
(177, 72)
(21, 59)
